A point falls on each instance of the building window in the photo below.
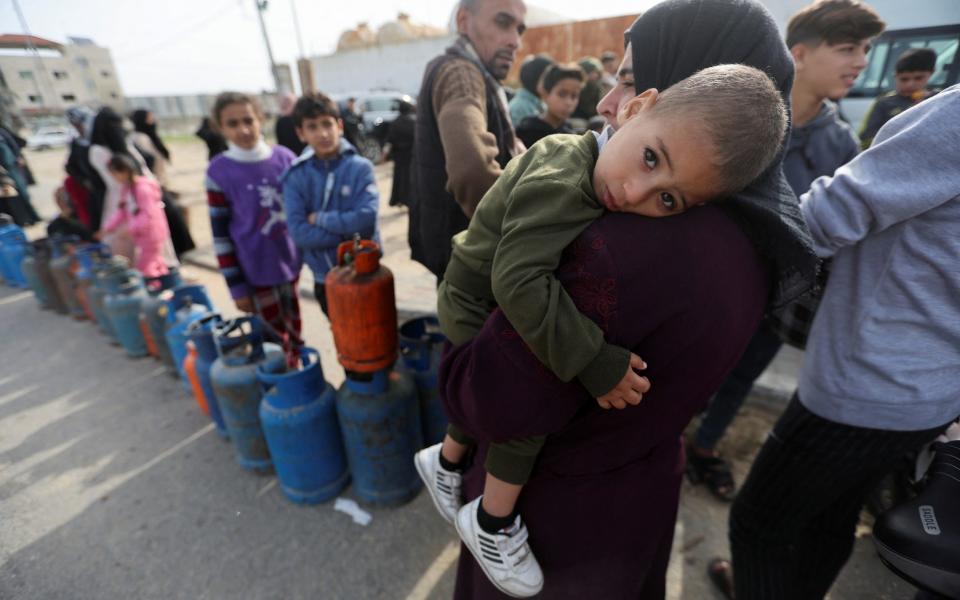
(60, 75)
(69, 97)
(35, 98)
(26, 74)
(82, 62)
(105, 73)
(113, 95)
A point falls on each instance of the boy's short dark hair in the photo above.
(741, 112)
(917, 59)
(532, 69)
(557, 73)
(313, 105)
(834, 22)
(225, 99)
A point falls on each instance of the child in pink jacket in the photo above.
(141, 205)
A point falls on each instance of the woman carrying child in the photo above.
(685, 293)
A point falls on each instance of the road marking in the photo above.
(268, 487)
(16, 298)
(17, 394)
(435, 572)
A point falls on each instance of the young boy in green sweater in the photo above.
(674, 151)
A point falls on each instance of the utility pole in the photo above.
(296, 27)
(305, 86)
(262, 6)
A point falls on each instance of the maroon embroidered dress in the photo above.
(686, 294)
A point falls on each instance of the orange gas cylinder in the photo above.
(190, 368)
(363, 308)
(148, 337)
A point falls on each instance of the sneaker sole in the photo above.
(429, 487)
(483, 567)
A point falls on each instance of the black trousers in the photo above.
(792, 525)
(319, 290)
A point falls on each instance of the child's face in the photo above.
(654, 166)
(562, 99)
(240, 125)
(828, 71)
(911, 82)
(322, 134)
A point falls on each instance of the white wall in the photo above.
(394, 67)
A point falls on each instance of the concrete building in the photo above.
(393, 58)
(57, 76)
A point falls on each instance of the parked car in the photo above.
(50, 137)
(878, 77)
(377, 109)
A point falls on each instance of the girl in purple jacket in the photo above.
(254, 249)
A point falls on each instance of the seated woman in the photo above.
(684, 293)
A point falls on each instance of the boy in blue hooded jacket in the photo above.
(330, 192)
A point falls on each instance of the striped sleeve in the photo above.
(222, 242)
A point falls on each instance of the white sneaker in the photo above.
(443, 485)
(505, 557)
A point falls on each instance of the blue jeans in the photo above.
(728, 399)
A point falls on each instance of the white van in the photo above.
(910, 24)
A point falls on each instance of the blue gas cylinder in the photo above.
(13, 248)
(43, 252)
(107, 276)
(200, 332)
(240, 350)
(153, 312)
(380, 419)
(88, 256)
(421, 347)
(6, 226)
(299, 418)
(31, 274)
(122, 307)
(187, 304)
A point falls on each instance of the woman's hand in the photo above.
(312, 218)
(631, 388)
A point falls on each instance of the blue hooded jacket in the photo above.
(342, 192)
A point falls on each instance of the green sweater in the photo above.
(507, 257)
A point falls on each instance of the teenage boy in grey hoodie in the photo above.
(881, 371)
(829, 41)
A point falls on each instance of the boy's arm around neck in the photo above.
(542, 218)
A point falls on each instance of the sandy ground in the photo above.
(112, 484)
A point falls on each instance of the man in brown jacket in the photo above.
(464, 137)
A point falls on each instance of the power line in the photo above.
(200, 24)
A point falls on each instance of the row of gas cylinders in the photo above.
(291, 421)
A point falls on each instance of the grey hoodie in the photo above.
(818, 148)
(884, 351)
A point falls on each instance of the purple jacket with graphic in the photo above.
(250, 236)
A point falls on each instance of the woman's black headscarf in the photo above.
(675, 39)
(108, 131)
(139, 118)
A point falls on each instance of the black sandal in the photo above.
(714, 471)
(720, 572)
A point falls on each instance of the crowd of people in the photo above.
(619, 283)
